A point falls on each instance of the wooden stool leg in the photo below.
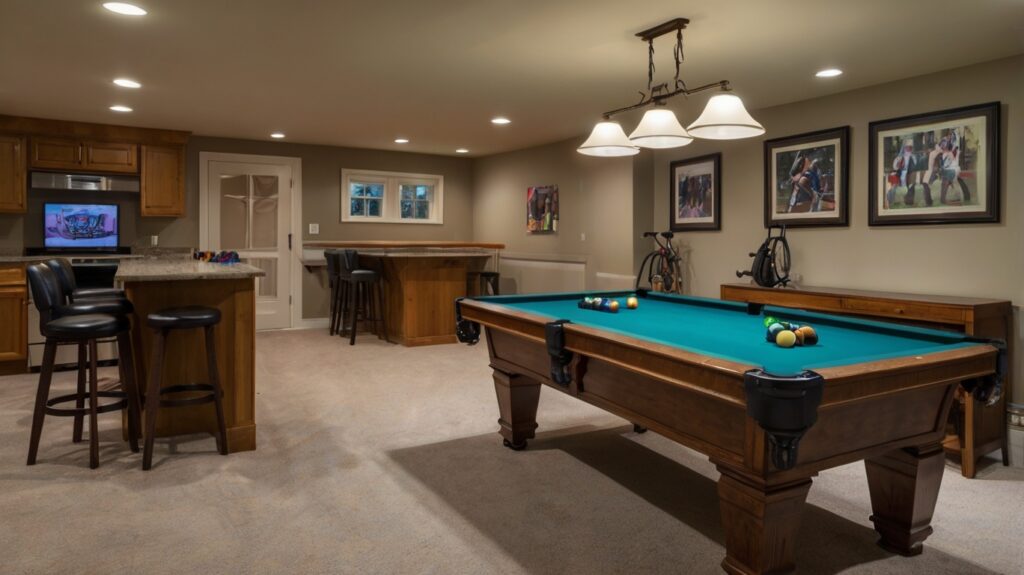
(354, 305)
(45, 376)
(334, 306)
(214, 375)
(383, 311)
(126, 364)
(94, 433)
(904, 487)
(76, 434)
(342, 307)
(156, 368)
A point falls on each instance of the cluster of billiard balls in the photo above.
(607, 304)
(786, 334)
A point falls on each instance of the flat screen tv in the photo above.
(86, 227)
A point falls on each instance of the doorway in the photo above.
(250, 205)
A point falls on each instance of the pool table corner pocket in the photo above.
(785, 408)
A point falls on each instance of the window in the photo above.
(391, 197)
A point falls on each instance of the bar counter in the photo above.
(153, 284)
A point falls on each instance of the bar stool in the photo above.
(163, 322)
(364, 297)
(80, 324)
(66, 275)
(488, 283)
(337, 286)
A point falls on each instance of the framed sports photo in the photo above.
(806, 179)
(696, 190)
(935, 168)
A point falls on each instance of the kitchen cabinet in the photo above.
(14, 319)
(163, 181)
(12, 174)
(71, 154)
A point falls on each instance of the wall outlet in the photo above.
(154, 240)
(583, 237)
(314, 229)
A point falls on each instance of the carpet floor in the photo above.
(383, 459)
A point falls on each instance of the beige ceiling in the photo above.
(363, 73)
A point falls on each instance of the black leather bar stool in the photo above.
(66, 274)
(488, 283)
(163, 322)
(337, 287)
(81, 324)
(363, 298)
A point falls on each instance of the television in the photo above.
(85, 227)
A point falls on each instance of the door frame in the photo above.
(294, 254)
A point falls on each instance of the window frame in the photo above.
(391, 201)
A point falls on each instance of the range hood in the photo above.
(87, 182)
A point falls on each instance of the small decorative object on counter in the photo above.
(222, 257)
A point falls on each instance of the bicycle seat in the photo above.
(668, 235)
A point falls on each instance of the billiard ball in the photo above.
(614, 306)
(785, 338)
(769, 320)
(632, 302)
(799, 336)
(773, 331)
(810, 336)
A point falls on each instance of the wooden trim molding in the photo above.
(88, 131)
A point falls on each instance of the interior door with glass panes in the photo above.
(249, 212)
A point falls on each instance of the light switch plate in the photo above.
(314, 229)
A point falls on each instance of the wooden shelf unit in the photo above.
(976, 429)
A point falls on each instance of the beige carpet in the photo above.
(382, 459)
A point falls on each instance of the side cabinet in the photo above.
(12, 175)
(163, 181)
(13, 319)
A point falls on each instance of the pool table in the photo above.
(701, 372)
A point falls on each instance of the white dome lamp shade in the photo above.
(608, 140)
(659, 128)
(725, 118)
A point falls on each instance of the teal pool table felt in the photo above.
(725, 330)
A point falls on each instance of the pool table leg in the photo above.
(761, 522)
(904, 487)
(518, 396)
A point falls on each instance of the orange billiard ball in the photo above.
(632, 302)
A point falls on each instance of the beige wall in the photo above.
(595, 198)
(321, 201)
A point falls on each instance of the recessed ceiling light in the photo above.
(126, 83)
(501, 120)
(120, 108)
(462, 151)
(124, 8)
(401, 140)
(829, 73)
(277, 135)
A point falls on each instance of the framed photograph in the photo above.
(696, 194)
(806, 179)
(935, 168)
(542, 210)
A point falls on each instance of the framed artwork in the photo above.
(806, 179)
(935, 168)
(696, 188)
(542, 210)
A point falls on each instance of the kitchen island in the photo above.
(421, 281)
(153, 284)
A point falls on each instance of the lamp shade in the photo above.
(608, 140)
(659, 128)
(725, 118)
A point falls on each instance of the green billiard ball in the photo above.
(769, 320)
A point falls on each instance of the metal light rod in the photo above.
(660, 98)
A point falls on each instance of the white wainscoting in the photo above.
(541, 273)
(613, 282)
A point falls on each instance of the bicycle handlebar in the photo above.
(650, 234)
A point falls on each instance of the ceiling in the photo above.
(361, 73)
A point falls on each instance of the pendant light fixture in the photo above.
(724, 117)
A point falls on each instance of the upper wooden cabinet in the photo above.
(12, 174)
(163, 181)
(68, 154)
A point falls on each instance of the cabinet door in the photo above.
(56, 154)
(12, 174)
(111, 157)
(163, 181)
(14, 318)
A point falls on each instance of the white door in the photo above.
(248, 210)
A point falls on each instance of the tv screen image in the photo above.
(80, 225)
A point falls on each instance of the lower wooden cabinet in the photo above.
(163, 181)
(12, 175)
(13, 320)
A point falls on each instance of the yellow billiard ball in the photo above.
(614, 305)
(785, 338)
(632, 302)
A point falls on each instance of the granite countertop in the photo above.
(167, 269)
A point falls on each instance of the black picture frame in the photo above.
(712, 173)
(824, 194)
(976, 161)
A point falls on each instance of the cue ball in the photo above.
(785, 338)
(769, 320)
(632, 302)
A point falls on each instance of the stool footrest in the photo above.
(72, 411)
(208, 397)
